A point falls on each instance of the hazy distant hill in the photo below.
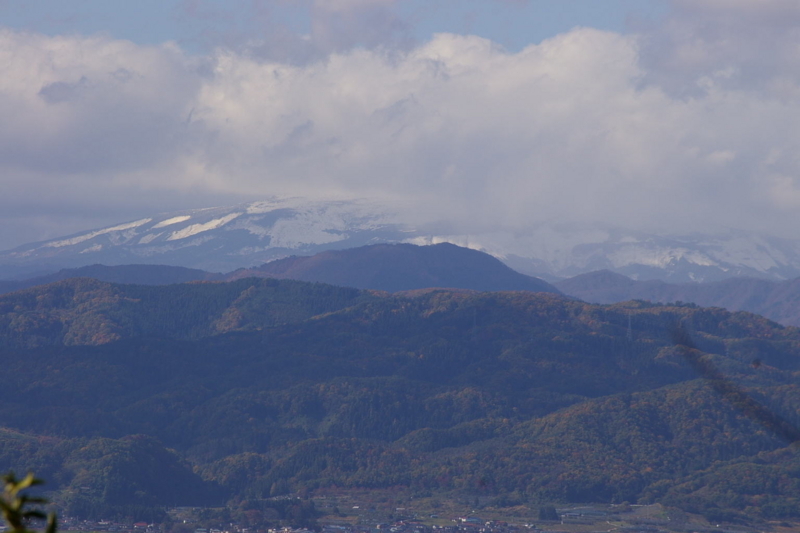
(267, 387)
(135, 274)
(402, 267)
(387, 267)
(779, 301)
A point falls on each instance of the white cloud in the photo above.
(75, 105)
(739, 44)
(676, 129)
(348, 5)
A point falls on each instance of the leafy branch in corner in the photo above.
(14, 504)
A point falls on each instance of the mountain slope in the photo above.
(402, 267)
(568, 250)
(83, 311)
(779, 301)
(311, 386)
(379, 267)
(216, 239)
(134, 274)
(223, 239)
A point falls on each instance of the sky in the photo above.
(672, 116)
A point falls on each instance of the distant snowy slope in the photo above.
(776, 300)
(227, 238)
(219, 239)
(561, 252)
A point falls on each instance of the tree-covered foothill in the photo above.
(251, 391)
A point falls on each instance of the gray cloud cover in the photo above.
(687, 125)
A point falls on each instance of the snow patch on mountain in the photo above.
(171, 221)
(150, 237)
(91, 235)
(565, 251)
(657, 257)
(753, 251)
(94, 248)
(194, 229)
(465, 241)
(291, 234)
(267, 206)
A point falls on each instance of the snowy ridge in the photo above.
(171, 221)
(560, 252)
(87, 236)
(194, 229)
(220, 239)
(226, 238)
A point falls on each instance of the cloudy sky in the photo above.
(666, 115)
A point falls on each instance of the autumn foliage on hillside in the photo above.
(258, 388)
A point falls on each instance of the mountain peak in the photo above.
(223, 239)
(403, 267)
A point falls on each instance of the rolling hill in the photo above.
(779, 301)
(262, 387)
(383, 267)
(135, 274)
(402, 267)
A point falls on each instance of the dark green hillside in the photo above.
(267, 387)
(21, 452)
(613, 448)
(106, 478)
(86, 311)
(766, 485)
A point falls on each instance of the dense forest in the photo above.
(257, 388)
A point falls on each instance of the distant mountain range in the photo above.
(132, 397)
(216, 239)
(779, 301)
(135, 274)
(384, 267)
(406, 267)
(245, 236)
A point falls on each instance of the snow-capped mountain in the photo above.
(553, 252)
(219, 239)
(226, 238)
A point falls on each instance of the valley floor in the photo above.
(392, 512)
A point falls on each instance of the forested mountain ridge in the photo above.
(88, 311)
(135, 274)
(777, 300)
(385, 267)
(516, 394)
(402, 267)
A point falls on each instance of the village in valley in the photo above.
(364, 513)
